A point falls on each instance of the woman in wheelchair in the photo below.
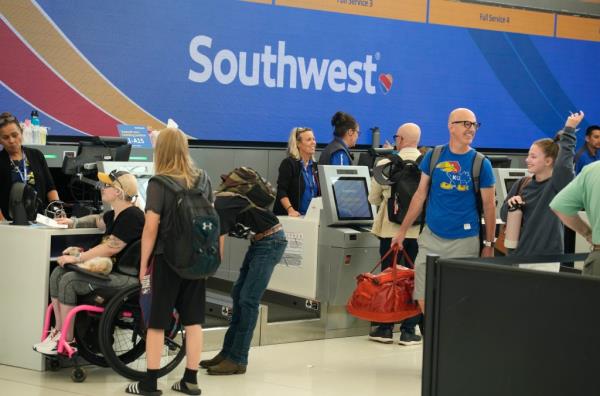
(122, 226)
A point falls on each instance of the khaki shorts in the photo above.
(591, 265)
(429, 243)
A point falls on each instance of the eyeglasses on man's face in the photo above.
(469, 124)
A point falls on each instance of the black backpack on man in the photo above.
(403, 177)
(192, 243)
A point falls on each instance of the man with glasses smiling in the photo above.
(452, 215)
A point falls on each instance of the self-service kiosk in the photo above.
(505, 179)
(346, 245)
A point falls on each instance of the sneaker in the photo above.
(410, 339)
(49, 341)
(381, 334)
(51, 348)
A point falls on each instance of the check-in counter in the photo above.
(24, 275)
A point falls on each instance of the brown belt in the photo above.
(270, 231)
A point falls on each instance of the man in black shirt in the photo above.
(239, 218)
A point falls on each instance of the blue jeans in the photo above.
(259, 262)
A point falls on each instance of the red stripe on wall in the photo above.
(27, 75)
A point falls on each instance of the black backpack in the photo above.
(192, 238)
(403, 176)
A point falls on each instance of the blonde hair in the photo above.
(295, 137)
(172, 156)
(549, 147)
(127, 185)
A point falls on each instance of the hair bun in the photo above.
(338, 118)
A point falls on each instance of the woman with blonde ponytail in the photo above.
(550, 163)
(169, 290)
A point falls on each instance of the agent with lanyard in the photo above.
(297, 183)
(20, 164)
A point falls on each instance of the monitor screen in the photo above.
(97, 150)
(508, 183)
(104, 149)
(351, 196)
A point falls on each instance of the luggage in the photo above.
(192, 245)
(387, 296)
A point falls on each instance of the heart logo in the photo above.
(385, 82)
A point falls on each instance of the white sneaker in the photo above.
(50, 345)
(52, 335)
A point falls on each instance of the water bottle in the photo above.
(35, 127)
(513, 226)
(376, 137)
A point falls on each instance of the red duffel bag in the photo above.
(385, 297)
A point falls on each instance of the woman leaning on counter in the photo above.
(20, 164)
(297, 182)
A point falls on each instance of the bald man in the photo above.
(452, 217)
(406, 141)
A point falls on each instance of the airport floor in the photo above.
(342, 366)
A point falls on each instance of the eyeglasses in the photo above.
(301, 130)
(396, 136)
(469, 124)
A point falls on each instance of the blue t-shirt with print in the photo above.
(452, 205)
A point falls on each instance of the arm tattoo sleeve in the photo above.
(90, 221)
(115, 243)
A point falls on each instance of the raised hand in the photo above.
(574, 119)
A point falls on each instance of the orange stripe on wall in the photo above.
(444, 12)
(50, 45)
(578, 28)
(407, 10)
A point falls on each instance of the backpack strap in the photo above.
(476, 170)
(522, 184)
(433, 160)
(169, 183)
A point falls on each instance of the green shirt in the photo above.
(583, 192)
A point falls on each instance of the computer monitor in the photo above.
(345, 191)
(98, 149)
(505, 179)
(499, 161)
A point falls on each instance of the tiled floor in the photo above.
(343, 366)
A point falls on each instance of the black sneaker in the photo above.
(381, 334)
(410, 339)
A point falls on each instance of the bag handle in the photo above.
(395, 260)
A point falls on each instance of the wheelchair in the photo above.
(109, 331)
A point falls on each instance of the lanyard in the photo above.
(309, 178)
(22, 175)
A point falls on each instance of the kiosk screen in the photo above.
(351, 199)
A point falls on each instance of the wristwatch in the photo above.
(489, 243)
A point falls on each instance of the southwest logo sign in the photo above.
(385, 83)
(278, 69)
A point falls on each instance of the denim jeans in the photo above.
(259, 262)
